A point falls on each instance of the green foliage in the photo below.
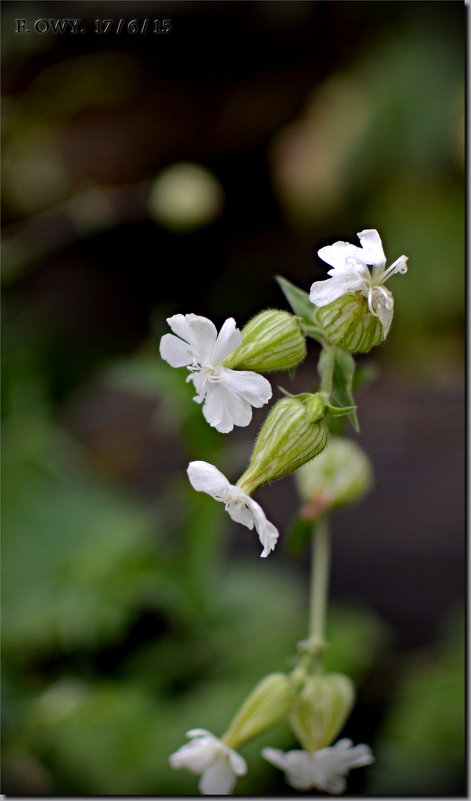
(344, 369)
(84, 554)
(299, 301)
(346, 628)
(420, 747)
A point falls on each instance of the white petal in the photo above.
(229, 338)
(196, 756)
(176, 352)
(218, 779)
(336, 785)
(337, 254)
(204, 477)
(238, 763)
(358, 756)
(223, 409)
(198, 331)
(267, 532)
(324, 292)
(336, 761)
(252, 387)
(239, 508)
(382, 304)
(298, 766)
(200, 733)
(201, 381)
(275, 756)
(373, 247)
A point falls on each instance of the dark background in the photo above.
(133, 610)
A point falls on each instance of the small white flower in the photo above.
(228, 395)
(324, 769)
(350, 273)
(204, 477)
(218, 764)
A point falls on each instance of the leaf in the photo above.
(344, 369)
(78, 555)
(340, 411)
(299, 301)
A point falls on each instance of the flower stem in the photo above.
(314, 646)
(320, 571)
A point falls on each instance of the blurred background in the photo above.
(146, 174)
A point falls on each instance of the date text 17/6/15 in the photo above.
(99, 26)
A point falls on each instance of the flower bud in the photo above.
(341, 474)
(321, 709)
(293, 433)
(268, 704)
(272, 340)
(348, 323)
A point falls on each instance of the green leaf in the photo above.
(299, 301)
(344, 369)
(339, 411)
(78, 555)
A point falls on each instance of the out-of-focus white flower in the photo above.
(324, 769)
(204, 477)
(228, 395)
(217, 764)
(350, 273)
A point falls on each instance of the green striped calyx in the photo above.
(348, 323)
(272, 340)
(293, 433)
(341, 475)
(321, 709)
(268, 704)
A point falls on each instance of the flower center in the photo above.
(399, 266)
(379, 298)
(211, 372)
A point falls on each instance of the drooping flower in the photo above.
(227, 395)
(324, 769)
(209, 757)
(204, 477)
(350, 273)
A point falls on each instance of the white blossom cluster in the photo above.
(227, 397)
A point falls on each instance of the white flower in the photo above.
(350, 273)
(217, 763)
(228, 395)
(204, 477)
(324, 769)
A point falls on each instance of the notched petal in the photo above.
(175, 351)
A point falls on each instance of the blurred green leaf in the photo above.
(77, 557)
(421, 744)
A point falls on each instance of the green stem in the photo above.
(320, 571)
(315, 645)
